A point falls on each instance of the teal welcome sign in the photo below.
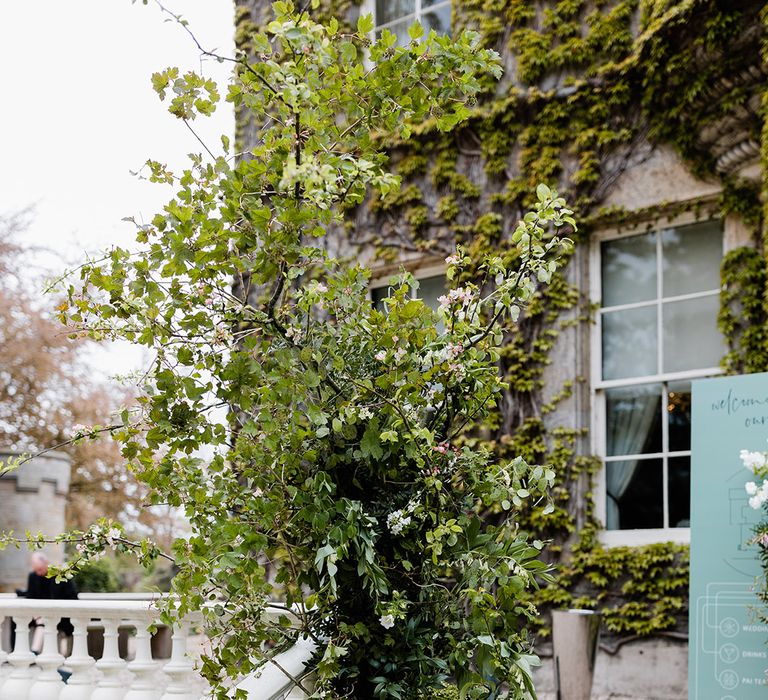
(728, 654)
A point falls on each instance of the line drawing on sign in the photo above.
(722, 614)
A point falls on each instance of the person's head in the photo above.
(39, 563)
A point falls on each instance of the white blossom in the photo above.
(293, 333)
(387, 621)
(221, 336)
(753, 460)
(460, 294)
(760, 495)
(756, 501)
(397, 521)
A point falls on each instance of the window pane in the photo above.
(430, 289)
(691, 258)
(378, 296)
(633, 420)
(679, 416)
(628, 270)
(691, 337)
(679, 472)
(439, 20)
(635, 494)
(429, 3)
(629, 343)
(388, 10)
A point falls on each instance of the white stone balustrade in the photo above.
(140, 676)
(26, 676)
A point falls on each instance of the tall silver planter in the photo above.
(575, 634)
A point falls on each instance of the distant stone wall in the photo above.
(32, 498)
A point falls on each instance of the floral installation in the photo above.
(344, 486)
(757, 491)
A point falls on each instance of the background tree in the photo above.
(47, 389)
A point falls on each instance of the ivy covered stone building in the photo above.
(648, 116)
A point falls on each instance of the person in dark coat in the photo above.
(40, 587)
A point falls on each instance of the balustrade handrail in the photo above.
(87, 595)
(128, 595)
(92, 608)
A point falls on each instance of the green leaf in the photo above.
(370, 445)
(365, 24)
(416, 31)
(348, 52)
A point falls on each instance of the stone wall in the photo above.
(32, 498)
(649, 669)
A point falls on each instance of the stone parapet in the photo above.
(51, 467)
(33, 498)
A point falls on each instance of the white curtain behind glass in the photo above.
(628, 433)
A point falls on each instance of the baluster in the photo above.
(49, 683)
(111, 686)
(82, 682)
(18, 683)
(5, 637)
(144, 686)
(179, 668)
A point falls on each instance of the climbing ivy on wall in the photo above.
(587, 86)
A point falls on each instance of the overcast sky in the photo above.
(78, 114)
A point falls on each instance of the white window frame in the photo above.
(368, 7)
(613, 538)
(382, 278)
